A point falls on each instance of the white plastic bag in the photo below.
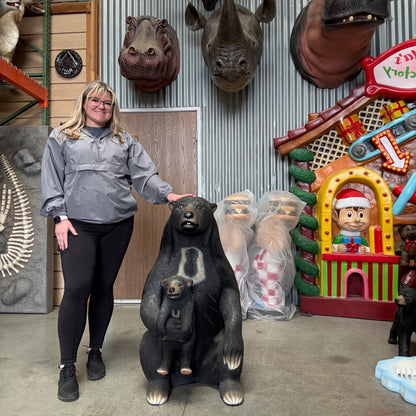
(235, 216)
(272, 269)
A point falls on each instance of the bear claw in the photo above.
(233, 398)
(158, 392)
(231, 392)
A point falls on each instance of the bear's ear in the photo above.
(171, 205)
(189, 282)
(213, 207)
(164, 283)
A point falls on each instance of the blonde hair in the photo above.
(72, 127)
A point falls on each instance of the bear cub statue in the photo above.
(191, 247)
(175, 323)
(404, 322)
(406, 246)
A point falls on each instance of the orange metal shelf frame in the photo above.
(19, 79)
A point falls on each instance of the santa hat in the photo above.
(350, 198)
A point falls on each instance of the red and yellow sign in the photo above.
(393, 73)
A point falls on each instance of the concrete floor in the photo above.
(310, 365)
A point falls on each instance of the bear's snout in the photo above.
(173, 292)
(189, 218)
(400, 300)
(188, 215)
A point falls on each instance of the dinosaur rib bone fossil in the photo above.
(21, 237)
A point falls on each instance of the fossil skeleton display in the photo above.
(20, 240)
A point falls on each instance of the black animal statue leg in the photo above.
(404, 342)
(393, 334)
(231, 392)
(230, 388)
(168, 351)
(186, 356)
(158, 386)
(394, 330)
(157, 392)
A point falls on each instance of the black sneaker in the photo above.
(68, 386)
(95, 365)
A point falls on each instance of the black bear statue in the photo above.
(191, 247)
(175, 323)
(404, 323)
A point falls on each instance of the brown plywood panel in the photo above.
(56, 121)
(65, 92)
(59, 41)
(61, 108)
(170, 138)
(9, 93)
(34, 113)
(30, 60)
(64, 41)
(63, 23)
(76, 22)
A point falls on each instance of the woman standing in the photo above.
(88, 167)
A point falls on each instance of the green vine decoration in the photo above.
(311, 246)
(307, 197)
(306, 268)
(309, 222)
(302, 175)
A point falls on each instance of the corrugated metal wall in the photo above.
(237, 129)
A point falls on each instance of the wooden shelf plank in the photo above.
(19, 79)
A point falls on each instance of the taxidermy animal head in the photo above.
(330, 38)
(232, 42)
(209, 4)
(11, 15)
(8, 6)
(150, 53)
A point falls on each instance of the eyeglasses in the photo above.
(96, 101)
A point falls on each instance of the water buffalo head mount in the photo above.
(150, 53)
(232, 42)
(330, 38)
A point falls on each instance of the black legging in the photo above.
(90, 265)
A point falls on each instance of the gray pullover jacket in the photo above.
(90, 179)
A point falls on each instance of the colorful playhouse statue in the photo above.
(353, 166)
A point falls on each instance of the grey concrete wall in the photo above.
(26, 252)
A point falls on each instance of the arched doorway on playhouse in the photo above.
(361, 285)
(356, 284)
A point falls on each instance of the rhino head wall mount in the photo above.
(232, 42)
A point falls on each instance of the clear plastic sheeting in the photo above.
(257, 242)
(272, 270)
(235, 216)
